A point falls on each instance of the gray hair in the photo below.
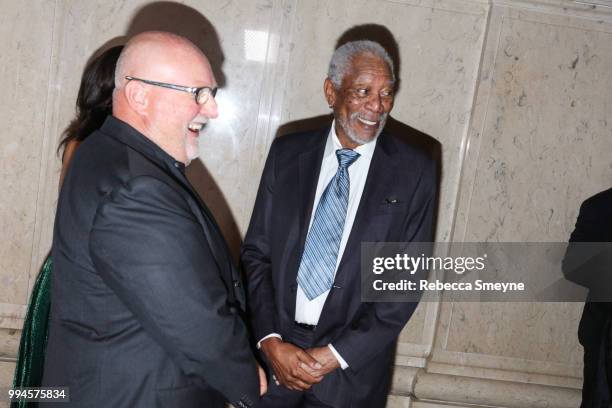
(343, 56)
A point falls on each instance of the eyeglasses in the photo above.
(202, 94)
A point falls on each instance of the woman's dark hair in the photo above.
(94, 101)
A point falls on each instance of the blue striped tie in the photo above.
(316, 273)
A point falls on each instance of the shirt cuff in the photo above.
(267, 337)
(343, 363)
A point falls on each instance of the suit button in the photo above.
(236, 283)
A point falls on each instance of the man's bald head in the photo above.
(155, 53)
(171, 118)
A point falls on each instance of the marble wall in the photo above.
(538, 144)
(513, 91)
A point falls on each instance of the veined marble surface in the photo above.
(539, 144)
(6, 379)
(546, 134)
(24, 77)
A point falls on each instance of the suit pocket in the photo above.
(398, 207)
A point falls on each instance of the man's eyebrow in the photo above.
(368, 84)
(367, 75)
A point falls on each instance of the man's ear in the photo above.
(137, 96)
(330, 92)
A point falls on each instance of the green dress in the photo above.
(31, 357)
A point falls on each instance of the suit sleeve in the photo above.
(380, 323)
(256, 256)
(149, 249)
(588, 259)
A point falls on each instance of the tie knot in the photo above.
(346, 157)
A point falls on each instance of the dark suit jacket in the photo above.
(594, 225)
(144, 312)
(363, 333)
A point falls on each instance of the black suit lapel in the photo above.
(310, 162)
(380, 183)
(308, 170)
(129, 136)
(213, 235)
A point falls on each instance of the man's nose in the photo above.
(210, 109)
(375, 103)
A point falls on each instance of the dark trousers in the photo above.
(281, 397)
(609, 358)
(597, 385)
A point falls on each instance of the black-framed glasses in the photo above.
(202, 94)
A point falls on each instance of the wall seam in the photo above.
(44, 163)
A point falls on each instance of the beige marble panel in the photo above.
(406, 402)
(235, 145)
(9, 343)
(571, 13)
(24, 66)
(539, 145)
(477, 392)
(9, 346)
(542, 333)
(6, 380)
(547, 133)
(11, 316)
(413, 333)
(400, 401)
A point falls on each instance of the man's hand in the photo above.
(263, 383)
(325, 357)
(291, 364)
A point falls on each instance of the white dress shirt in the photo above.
(309, 311)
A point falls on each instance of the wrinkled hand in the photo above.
(263, 382)
(291, 364)
(326, 358)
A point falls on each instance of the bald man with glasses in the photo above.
(147, 303)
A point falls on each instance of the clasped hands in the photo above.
(295, 368)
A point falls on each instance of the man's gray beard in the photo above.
(191, 152)
(354, 137)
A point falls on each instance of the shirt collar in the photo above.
(333, 143)
(132, 137)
